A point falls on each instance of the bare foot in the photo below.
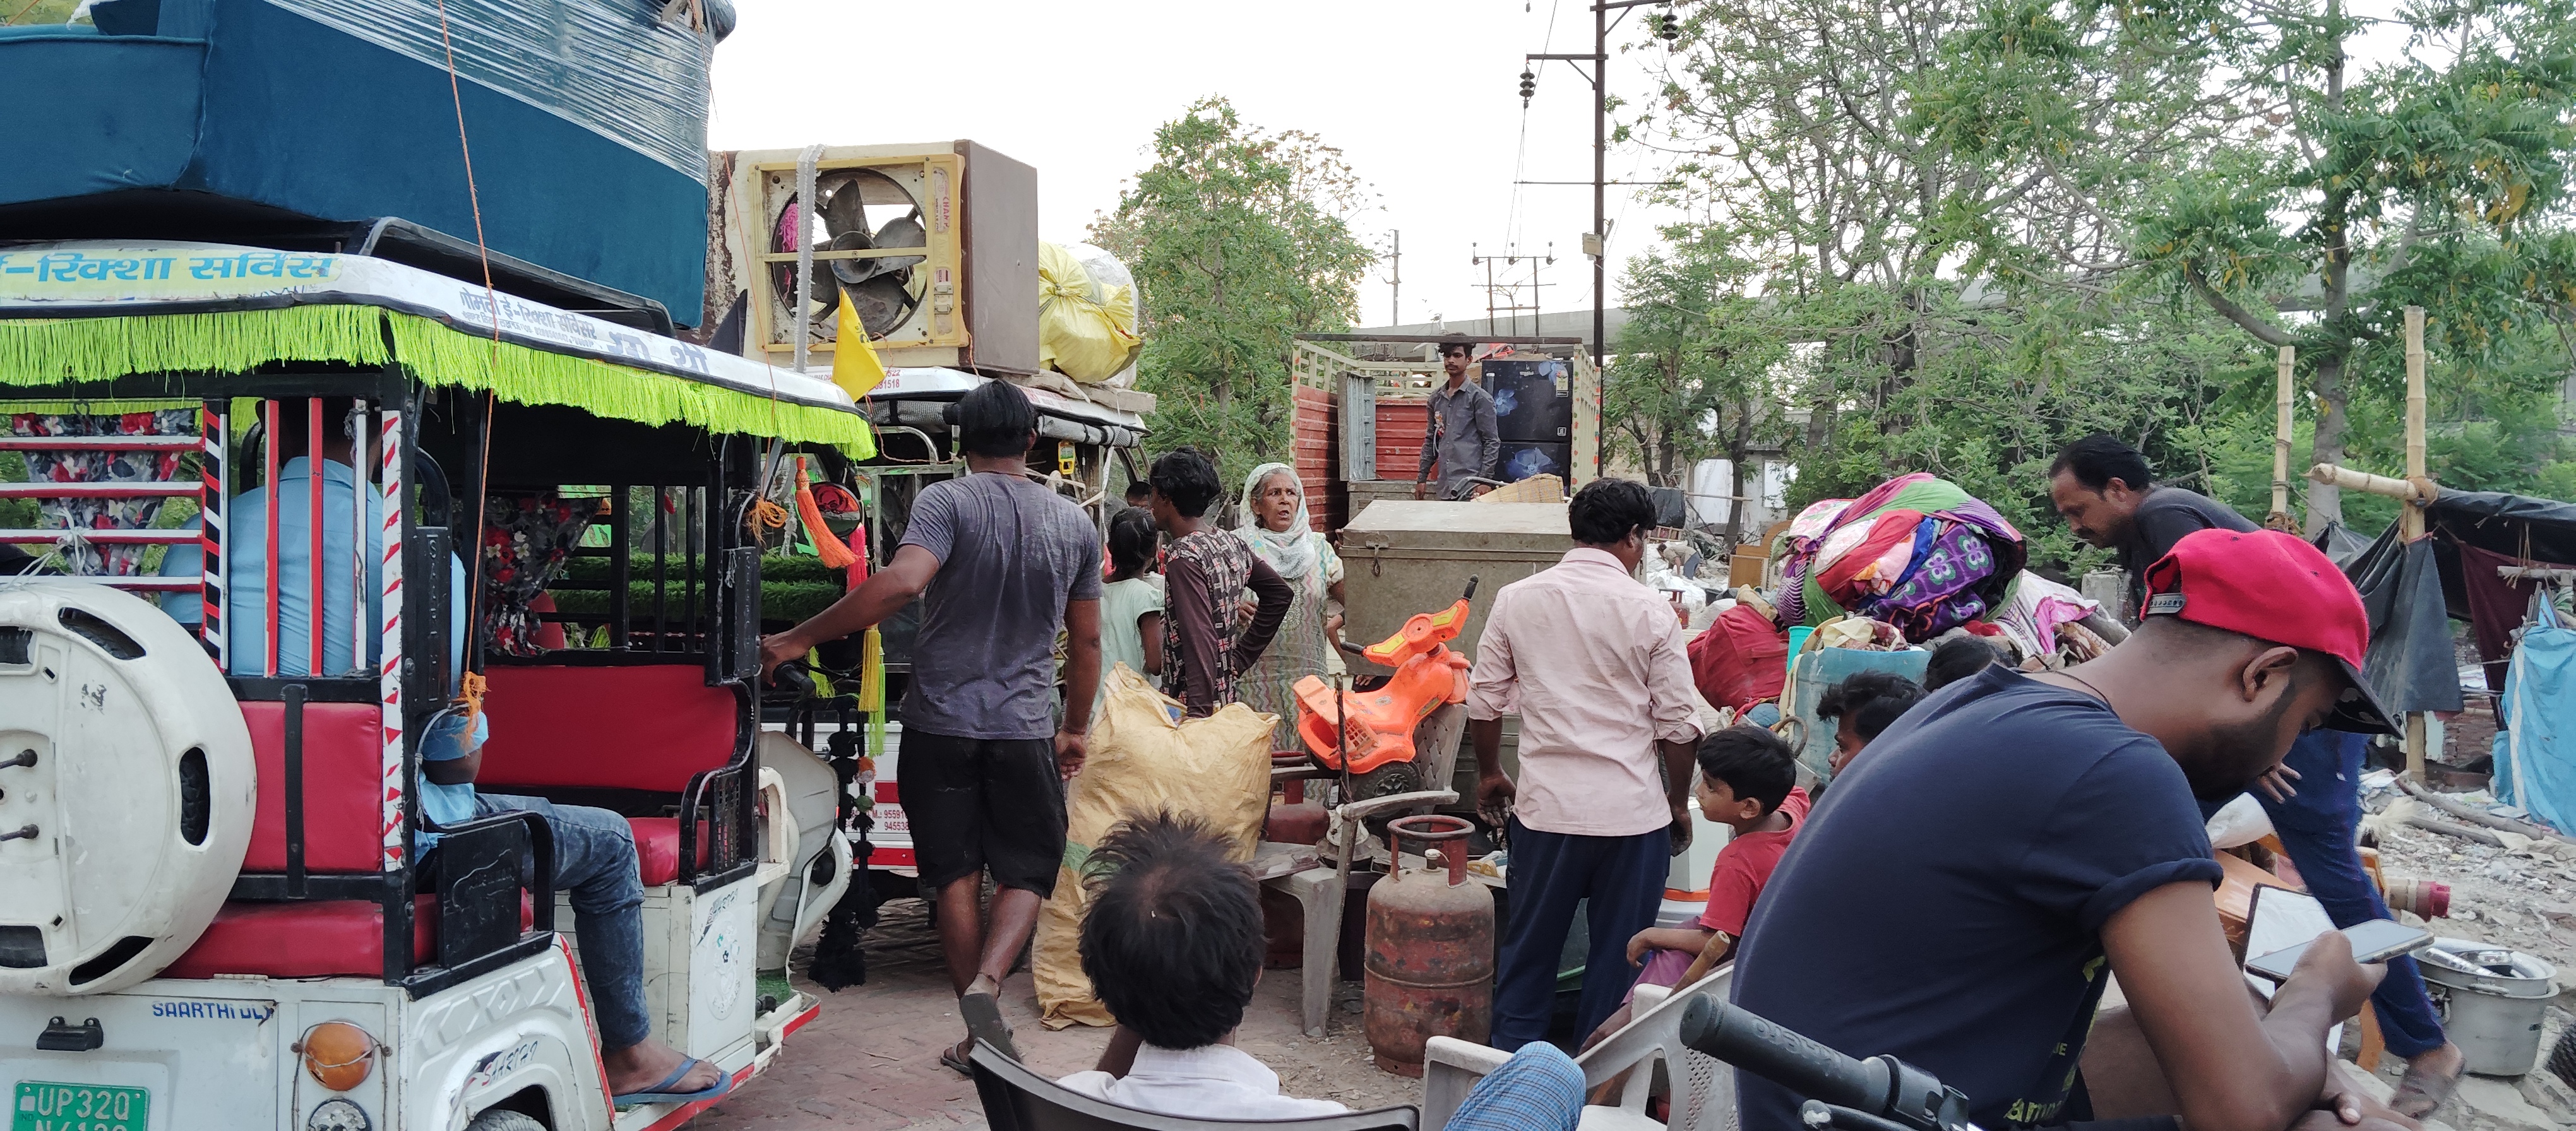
(2429, 1079)
(649, 1062)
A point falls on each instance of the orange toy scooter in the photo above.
(1375, 743)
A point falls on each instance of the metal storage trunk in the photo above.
(1404, 557)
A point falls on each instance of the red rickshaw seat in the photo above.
(657, 848)
(343, 771)
(311, 939)
(647, 727)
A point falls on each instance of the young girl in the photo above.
(1131, 604)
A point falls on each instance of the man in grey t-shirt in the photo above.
(1001, 563)
(2102, 487)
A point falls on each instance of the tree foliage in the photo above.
(1698, 369)
(1239, 239)
(1996, 225)
(2303, 198)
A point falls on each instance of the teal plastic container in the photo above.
(1811, 673)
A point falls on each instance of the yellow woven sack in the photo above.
(1086, 326)
(1215, 769)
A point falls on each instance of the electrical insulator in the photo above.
(1529, 85)
(1670, 27)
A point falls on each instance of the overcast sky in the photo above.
(1420, 95)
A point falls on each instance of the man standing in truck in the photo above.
(1461, 436)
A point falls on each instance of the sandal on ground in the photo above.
(983, 1014)
(2419, 1092)
(661, 1093)
(948, 1056)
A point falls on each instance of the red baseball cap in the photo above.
(2273, 587)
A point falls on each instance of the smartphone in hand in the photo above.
(2375, 941)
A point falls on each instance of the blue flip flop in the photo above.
(657, 1095)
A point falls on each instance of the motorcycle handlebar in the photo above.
(1721, 1030)
(1878, 1094)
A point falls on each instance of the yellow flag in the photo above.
(855, 367)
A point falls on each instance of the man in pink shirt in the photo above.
(1593, 663)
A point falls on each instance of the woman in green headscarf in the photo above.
(1274, 523)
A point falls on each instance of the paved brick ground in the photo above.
(871, 1059)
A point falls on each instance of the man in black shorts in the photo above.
(1002, 563)
(1960, 895)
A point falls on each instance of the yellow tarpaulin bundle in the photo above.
(1215, 769)
(1086, 320)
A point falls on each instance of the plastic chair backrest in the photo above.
(1016, 1099)
(1703, 1087)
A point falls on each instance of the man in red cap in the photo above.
(1960, 896)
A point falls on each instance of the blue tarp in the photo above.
(263, 102)
(2535, 758)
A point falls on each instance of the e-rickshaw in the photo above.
(215, 911)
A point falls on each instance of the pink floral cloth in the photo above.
(74, 515)
(527, 539)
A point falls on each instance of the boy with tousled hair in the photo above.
(1173, 943)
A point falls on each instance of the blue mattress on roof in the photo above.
(586, 118)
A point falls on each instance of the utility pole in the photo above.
(1395, 282)
(1596, 243)
(1510, 285)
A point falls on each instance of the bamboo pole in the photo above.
(2280, 517)
(2410, 514)
(2363, 481)
(2412, 517)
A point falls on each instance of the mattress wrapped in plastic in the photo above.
(615, 66)
(244, 121)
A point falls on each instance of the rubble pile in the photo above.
(2520, 896)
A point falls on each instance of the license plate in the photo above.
(45, 1106)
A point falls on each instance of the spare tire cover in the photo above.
(126, 788)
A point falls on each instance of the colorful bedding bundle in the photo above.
(1916, 552)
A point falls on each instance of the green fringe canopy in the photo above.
(40, 353)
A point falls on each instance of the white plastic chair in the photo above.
(1702, 1087)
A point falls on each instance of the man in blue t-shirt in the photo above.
(1960, 895)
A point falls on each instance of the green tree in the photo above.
(1698, 366)
(1239, 238)
(2305, 200)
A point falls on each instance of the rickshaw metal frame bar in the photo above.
(268, 521)
(661, 566)
(397, 431)
(359, 433)
(214, 505)
(293, 695)
(621, 566)
(690, 514)
(315, 475)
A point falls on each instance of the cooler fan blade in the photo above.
(881, 303)
(902, 231)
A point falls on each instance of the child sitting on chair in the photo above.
(1173, 946)
(1747, 782)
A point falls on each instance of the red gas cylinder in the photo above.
(1430, 968)
(1293, 818)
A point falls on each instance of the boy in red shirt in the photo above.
(1747, 782)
